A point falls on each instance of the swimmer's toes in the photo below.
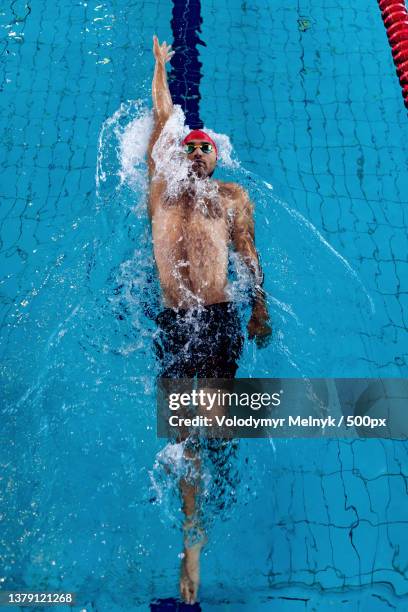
(188, 590)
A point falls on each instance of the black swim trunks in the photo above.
(204, 342)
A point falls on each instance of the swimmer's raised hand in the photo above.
(162, 52)
(162, 102)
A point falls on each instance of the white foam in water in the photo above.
(172, 457)
(121, 159)
(133, 146)
(122, 146)
(169, 467)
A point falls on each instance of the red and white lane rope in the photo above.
(395, 17)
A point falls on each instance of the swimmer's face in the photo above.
(203, 164)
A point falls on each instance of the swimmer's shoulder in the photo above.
(231, 190)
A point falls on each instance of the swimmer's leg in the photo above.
(217, 363)
(193, 532)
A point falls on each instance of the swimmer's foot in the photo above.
(190, 571)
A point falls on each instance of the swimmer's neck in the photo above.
(193, 180)
(194, 186)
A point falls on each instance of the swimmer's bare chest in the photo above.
(191, 249)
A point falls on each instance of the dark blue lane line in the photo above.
(173, 605)
(185, 75)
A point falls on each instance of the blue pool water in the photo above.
(308, 97)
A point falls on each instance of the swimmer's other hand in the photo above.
(162, 52)
(259, 328)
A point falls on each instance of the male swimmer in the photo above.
(199, 331)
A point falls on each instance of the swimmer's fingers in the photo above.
(156, 47)
(169, 56)
(162, 52)
(167, 52)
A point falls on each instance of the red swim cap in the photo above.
(199, 135)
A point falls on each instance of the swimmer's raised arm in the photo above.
(162, 102)
(243, 238)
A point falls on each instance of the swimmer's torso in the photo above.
(191, 246)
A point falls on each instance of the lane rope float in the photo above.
(395, 18)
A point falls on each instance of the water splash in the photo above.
(121, 156)
(314, 293)
(296, 214)
(216, 478)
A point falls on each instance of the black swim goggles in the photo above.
(206, 147)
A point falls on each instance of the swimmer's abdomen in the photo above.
(191, 254)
